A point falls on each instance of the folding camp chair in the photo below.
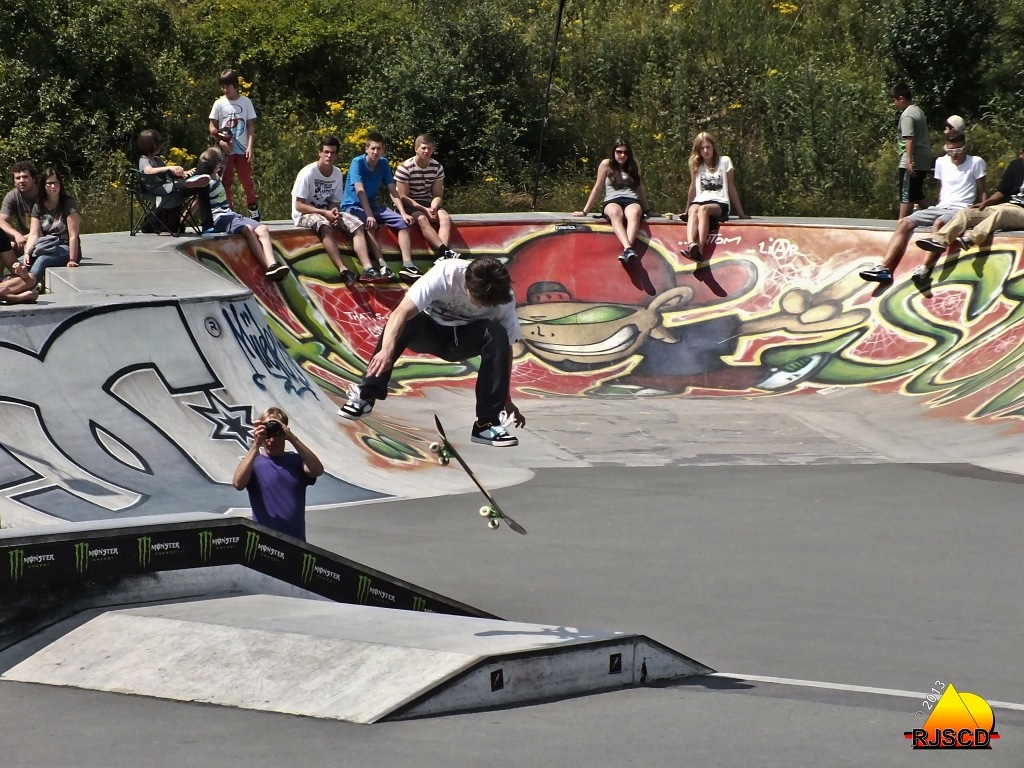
(174, 214)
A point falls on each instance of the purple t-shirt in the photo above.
(277, 493)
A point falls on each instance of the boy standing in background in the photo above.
(233, 125)
(915, 148)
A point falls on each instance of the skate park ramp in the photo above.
(130, 389)
(777, 318)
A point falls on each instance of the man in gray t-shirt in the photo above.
(915, 148)
(16, 209)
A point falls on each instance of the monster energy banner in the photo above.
(92, 559)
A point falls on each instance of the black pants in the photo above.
(486, 338)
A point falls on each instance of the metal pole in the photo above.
(547, 101)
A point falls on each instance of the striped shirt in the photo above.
(420, 180)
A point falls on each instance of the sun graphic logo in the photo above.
(953, 720)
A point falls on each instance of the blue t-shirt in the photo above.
(277, 493)
(358, 170)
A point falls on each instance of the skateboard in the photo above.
(445, 453)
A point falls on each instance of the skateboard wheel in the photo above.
(435, 447)
(444, 460)
(485, 511)
(493, 524)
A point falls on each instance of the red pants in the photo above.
(244, 167)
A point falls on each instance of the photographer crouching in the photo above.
(277, 480)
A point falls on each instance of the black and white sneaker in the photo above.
(254, 213)
(277, 272)
(930, 244)
(410, 272)
(965, 243)
(371, 275)
(877, 274)
(922, 276)
(386, 273)
(493, 434)
(348, 277)
(356, 407)
(451, 254)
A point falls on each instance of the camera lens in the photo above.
(273, 429)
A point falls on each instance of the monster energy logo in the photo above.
(308, 564)
(145, 550)
(419, 603)
(252, 541)
(17, 562)
(205, 545)
(363, 589)
(17, 557)
(81, 557)
(147, 547)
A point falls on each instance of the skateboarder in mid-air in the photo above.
(457, 310)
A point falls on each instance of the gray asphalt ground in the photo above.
(864, 575)
(802, 538)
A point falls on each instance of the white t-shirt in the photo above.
(316, 189)
(713, 187)
(441, 293)
(959, 182)
(234, 116)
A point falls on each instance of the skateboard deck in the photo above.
(445, 452)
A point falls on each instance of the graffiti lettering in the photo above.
(264, 352)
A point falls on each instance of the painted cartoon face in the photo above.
(561, 331)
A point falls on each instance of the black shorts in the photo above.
(5, 243)
(622, 202)
(723, 206)
(911, 187)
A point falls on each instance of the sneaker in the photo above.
(355, 408)
(877, 274)
(929, 244)
(965, 243)
(348, 277)
(450, 254)
(371, 275)
(493, 434)
(693, 251)
(386, 273)
(277, 273)
(627, 255)
(410, 272)
(922, 276)
(254, 213)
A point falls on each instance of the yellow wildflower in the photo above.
(676, 7)
(735, 105)
(785, 8)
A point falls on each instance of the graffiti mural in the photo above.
(134, 410)
(778, 308)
